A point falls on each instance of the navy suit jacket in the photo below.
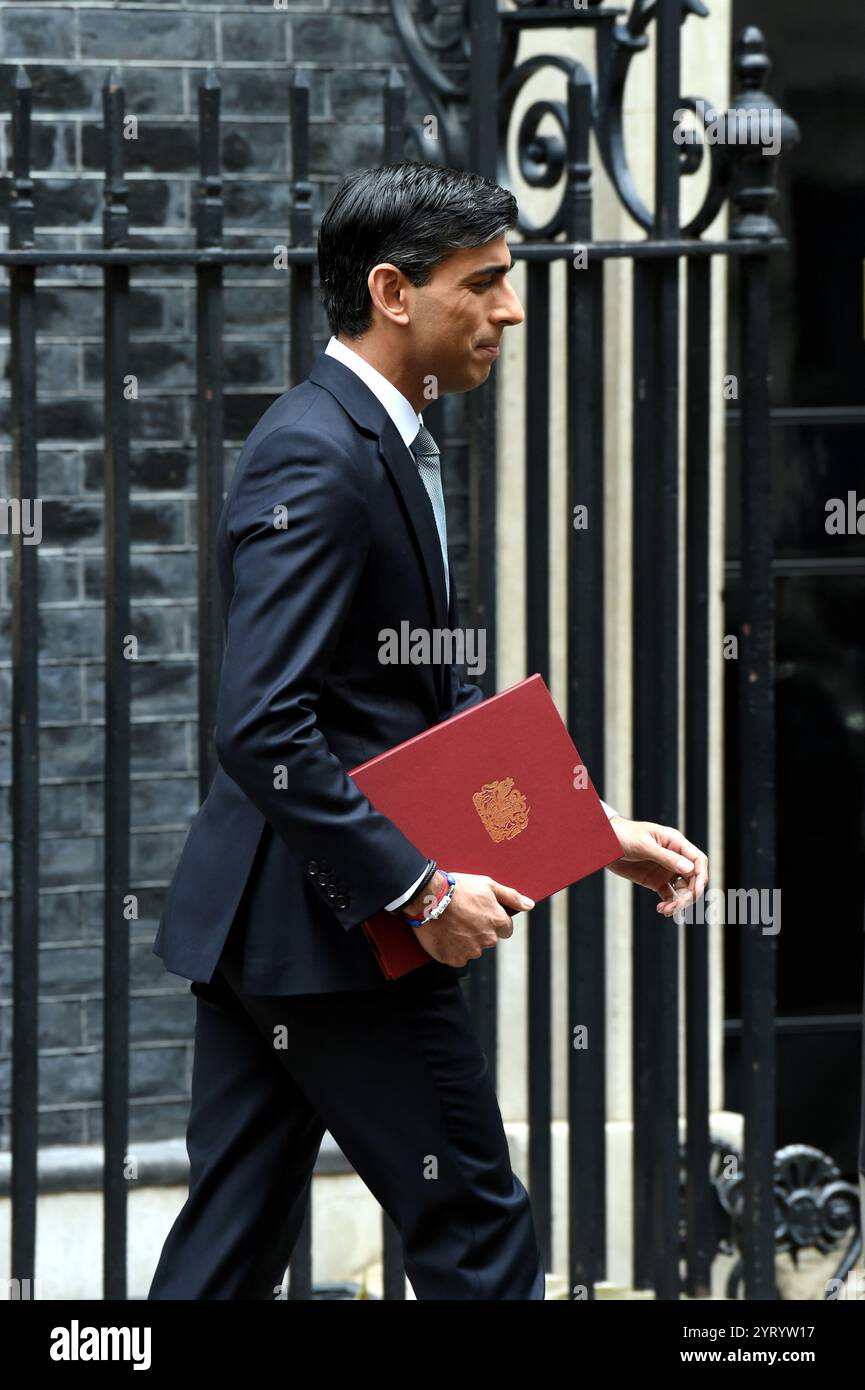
(327, 536)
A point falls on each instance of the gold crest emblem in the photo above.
(502, 808)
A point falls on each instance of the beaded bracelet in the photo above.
(441, 903)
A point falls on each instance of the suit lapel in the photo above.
(421, 520)
(367, 411)
(418, 507)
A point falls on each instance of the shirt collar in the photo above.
(398, 407)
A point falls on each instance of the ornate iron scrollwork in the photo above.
(436, 40)
(814, 1207)
(541, 157)
(434, 34)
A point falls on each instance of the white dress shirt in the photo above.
(408, 422)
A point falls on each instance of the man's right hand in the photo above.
(475, 918)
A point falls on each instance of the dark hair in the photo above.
(411, 214)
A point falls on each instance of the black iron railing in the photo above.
(475, 115)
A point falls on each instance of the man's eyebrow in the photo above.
(488, 270)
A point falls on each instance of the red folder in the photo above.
(500, 790)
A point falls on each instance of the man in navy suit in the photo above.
(333, 529)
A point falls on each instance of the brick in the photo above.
(357, 96)
(59, 470)
(57, 582)
(266, 39)
(148, 1120)
(69, 1077)
(156, 1070)
(345, 147)
(52, 146)
(249, 92)
(158, 748)
(150, 904)
(58, 1024)
(241, 414)
(169, 146)
(31, 31)
(259, 203)
(325, 40)
(146, 971)
(150, 522)
(158, 801)
(165, 364)
(64, 202)
(174, 36)
(73, 751)
(56, 367)
(60, 809)
(59, 86)
(69, 859)
(63, 1125)
(68, 970)
(162, 53)
(152, 1018)
(59, 916)
(256, 147)
(265, 305)
(155, 574)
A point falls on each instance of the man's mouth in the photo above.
(491, 348)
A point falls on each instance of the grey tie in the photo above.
(426, 452)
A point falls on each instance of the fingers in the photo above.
(675, 899)
(678, 844)
(697, 880)
(673, 862)
(694, 872)
(666, 892)
(511, 898)
(682, 892)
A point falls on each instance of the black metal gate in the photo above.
(740, 173)
(673, 1198)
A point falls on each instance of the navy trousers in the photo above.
(399, 1079)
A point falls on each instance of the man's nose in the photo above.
(510, 310)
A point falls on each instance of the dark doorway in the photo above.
(818, 442)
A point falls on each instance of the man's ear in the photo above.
(387, 284)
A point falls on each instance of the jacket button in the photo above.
(331, 892)
(324, 880)
(312, 866)
(342, 900)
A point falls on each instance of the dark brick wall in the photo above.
(163, 54)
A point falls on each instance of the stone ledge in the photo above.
(161, 1163)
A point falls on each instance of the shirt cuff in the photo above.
(398, 902)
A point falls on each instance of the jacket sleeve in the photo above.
(299, 526)
(463, 694)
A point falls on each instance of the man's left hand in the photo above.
(660, 858)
